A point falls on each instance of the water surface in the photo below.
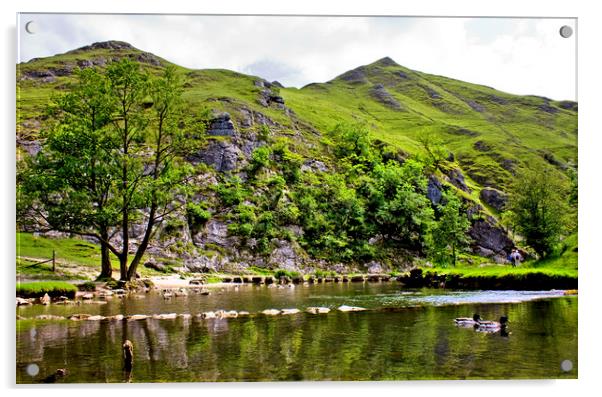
(406, 334)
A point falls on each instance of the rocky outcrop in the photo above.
(434, 190)
(221, 125)
(494, 198)
(383, 96)
(285, 256)
(490, 239)
(375, 268)
(31, 147)
(312, 165)
(456, 178)
(354, 76)
(215, 232)
(482, 146)
(267, 96)
(222, 155)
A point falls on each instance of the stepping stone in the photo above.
(271, 312)
(170, 316)
(346, 308)
(136, 317)
(317, 310)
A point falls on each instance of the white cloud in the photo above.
(521, 56)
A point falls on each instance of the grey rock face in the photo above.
(314, 166)
(31, 147)
(456, 178)
(106, 45)
(483, 252)
(434, 190)
(216, 232)
(221, 125)
(476, 106)
(494, 198)
(223, 156)
(206, 264)
(486, 234)
(375, 268)
(481, 146)
(383, 96)
(354, 76)
(285, 256)
(432, 93)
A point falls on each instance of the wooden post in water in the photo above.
(128, 355)
(53, 260)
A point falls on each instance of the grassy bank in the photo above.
(75, 259)
(52, 288)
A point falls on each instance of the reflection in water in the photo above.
(412, 343)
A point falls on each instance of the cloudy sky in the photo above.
(520, 56)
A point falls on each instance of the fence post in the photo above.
(53, 260)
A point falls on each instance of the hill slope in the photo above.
(489, 134)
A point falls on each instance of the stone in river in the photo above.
(95, 318)
(346, 308)
(45, 300)
(290, 311)
(271, 312)
(317, 310)
(78, 317)
(135, 317)
(22, 302)
(49, 317)
(169, 316)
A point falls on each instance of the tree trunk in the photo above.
(106, 271)
(131, 274)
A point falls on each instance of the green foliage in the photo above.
(538, 201)
(232, 192)
(260, 158)
(286, 273)
(264, 132)
(40, 288)
(288, 162)
(434, 149)
(449, 233)
(88, 286)
(197, 215)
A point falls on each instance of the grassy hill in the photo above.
(490, 134)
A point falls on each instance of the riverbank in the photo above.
(511, 279)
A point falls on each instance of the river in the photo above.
(404, 334)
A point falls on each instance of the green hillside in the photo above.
(489, 136)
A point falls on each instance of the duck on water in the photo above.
(482, 325)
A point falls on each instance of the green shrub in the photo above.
(112, 284)
(260, 158)
(52, 288)
(286, 273)
(87, 286)
(197, 214)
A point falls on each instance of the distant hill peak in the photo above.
(107, 45)
(386, 61)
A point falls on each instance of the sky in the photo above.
(519, 56)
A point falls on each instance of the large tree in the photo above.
(100, 179)
(67, 185)
(538, 200)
